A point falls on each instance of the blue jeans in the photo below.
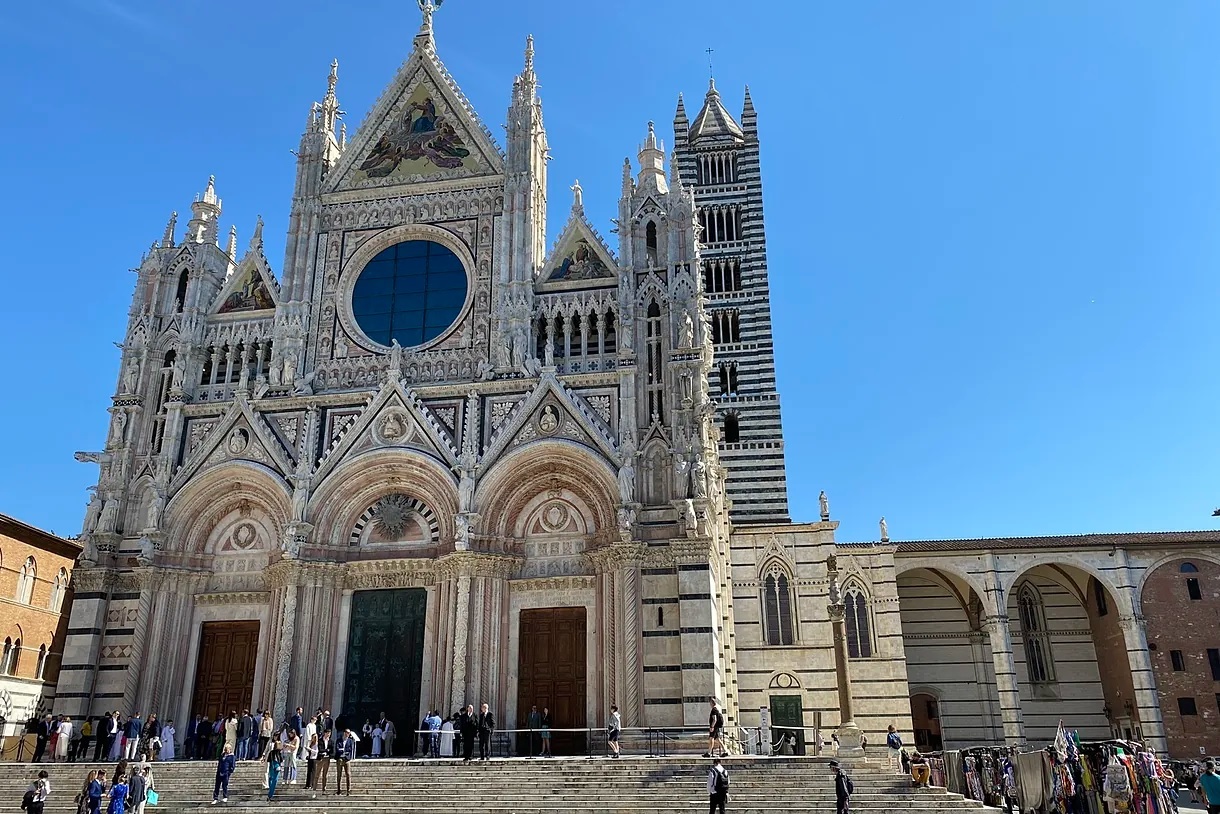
(273, 778)
(243, 746)
(221, 789)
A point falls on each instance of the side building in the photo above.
(35, 600)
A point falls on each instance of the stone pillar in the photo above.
(284, 646)
(461, 631)
(82, 651)
(699, 618)
(849, 734)
(982, 681)
(139, 643)
(1006, 679)
(631, 699)
(1144, 681)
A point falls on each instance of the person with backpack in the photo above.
(893, 742)
(715, 732)
(36, 795)
(717, 787)
(844, 789)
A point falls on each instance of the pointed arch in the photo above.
(778, 603)
(6, 658)
(58, 590)
(1035, 638)
(857, 619)
(25, 581)
(41, 665)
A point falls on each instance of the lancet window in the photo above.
(857, 622)
(655, 384)
(1034, 635)
(722, 276)
(778, 603)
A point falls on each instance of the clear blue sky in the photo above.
(992, 225)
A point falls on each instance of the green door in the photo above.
(385, 657)
(787, 720)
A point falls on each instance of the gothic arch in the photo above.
(1056, 563)
(194, 514)
(358, 483)
(948, 567)
(515, 482)
(419, 518)
(1147, 571)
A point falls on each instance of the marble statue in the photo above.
(690, 518)
(885, 530)
(109, 519)
(131, 378)
(688, 330)
(155, 507)
(395, 359)
(824, 505)
(118, 430)
(148, 550)
(465, 468)
(698, 473)
(92, 512)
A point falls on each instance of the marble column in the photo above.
(630, 584)
(461, 632)
(1006, 679)
(1143, 679)
(137, 661)
(849, 734)
(284, 649)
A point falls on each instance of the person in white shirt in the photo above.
(65, 736)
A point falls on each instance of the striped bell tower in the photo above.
(719, 159)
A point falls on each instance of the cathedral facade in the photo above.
(442, 459)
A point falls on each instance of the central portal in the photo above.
(551, 674)
(224, 673)
(385, 658)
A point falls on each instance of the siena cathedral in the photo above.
(443, 458)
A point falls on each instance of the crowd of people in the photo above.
(109, 737)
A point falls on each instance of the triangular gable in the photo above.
(551, 411)
(421, 129)
(251, 287)
(240, 434)
(579, 255)
(394, 418)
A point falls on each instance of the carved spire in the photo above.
(328, 110)
(652, 161)
(628, 182)
(209, 194)
(256, 240)
(167, 239)
(232, 251)
(528, 73)
(206, 210)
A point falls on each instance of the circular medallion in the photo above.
(411, 292)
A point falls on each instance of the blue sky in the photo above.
(992, 225)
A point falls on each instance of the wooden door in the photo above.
(787, 720)
(551, 673)
(224, 674)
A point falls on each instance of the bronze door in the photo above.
(224, 674)
(551, 673)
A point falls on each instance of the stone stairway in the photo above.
(631, 785)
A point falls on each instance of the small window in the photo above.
(1099, 595)
(7, 659)
(660, 616)
(42, 661)
(1179, 663)
(1189, 568)
(1192, 588)
(1186, 706)
(732, 429)
(1213, 659)
(1218, 701)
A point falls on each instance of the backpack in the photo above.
(27, 800)
(722, 782)
(851, 787)
(893, 740)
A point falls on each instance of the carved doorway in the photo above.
(224, 673)
(385, 659)
(551, 674)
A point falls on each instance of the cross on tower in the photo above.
(709, 60)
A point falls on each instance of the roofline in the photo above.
(39, 538)
(1133, 539)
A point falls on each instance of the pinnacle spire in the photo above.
(680, 113)
(209, 194)
(628, 182)
(529, 55)
(328, 109)
(167, 239)
(256, 239)
(232, 250)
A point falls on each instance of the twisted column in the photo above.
(461, 630)
(284, 649)
(139, 639)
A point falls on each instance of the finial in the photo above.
(209, 194)
(167, 240)
(232, 252)
(578, 197)
(628, 183)
(529, 54)
(333, 79)
(709, 53)
(711, 88)
(651, 142)
(256, 240)
(424, 38)
(674, 178)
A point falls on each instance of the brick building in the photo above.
(35, 569)
(1182, 605)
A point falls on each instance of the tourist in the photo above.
(533, 722)
(297, 721)
(458, 747)
(151, 744)
(921, 772)
(717, 787)
(230, 731)
(118, 795)
(290, 744)
(244, 724)
(893, 742)
(42, 733)
(446, 739)
(1209, 784)
(138, 788)
(203, 739)
(614, 729)
(275, 757)
(367, 731)
(434, 733)
(345, 751)
(326, 723)
(310, 750)
(36, 794)
(326, 749)
(78, 737)
(843, 789)
(224, 770)
(82, 799)
(715, 732)
(546, 732)
(131, 735)
(470, 727)
(487, 725)
(168, 733)
(378, 735)
(391, 732)
(96, 788)
(63, 739)
(266, 729)
(87, 730)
